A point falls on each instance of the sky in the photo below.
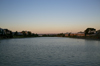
(50, 16)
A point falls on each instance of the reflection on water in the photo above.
(49, 51)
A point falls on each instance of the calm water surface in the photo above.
(49, 51)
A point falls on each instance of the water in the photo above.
(49, 51)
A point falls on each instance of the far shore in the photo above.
(87, 37)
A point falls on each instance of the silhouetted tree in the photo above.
(61, 35)
(36, 35)
(29, 33)
(33, 34)
(16, 33)
(89, 31)
(24, 34)
(11, 36)
(69, 34)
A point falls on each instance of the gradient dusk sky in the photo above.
(49, 16)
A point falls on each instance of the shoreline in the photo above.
(87, 38)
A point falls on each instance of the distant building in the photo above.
(67, 34)
(20, 33)
(80, 34)
(73, 34)
(7, 32)
(40, 35)
(1, 31)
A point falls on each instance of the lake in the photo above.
(49, 51)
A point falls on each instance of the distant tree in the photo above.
(11, 36)
(69, 34)
(36, 35)
(24, 34)
(61, 35)
(89, 31)
(29, 33)
(33, 34)
(16, 33)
